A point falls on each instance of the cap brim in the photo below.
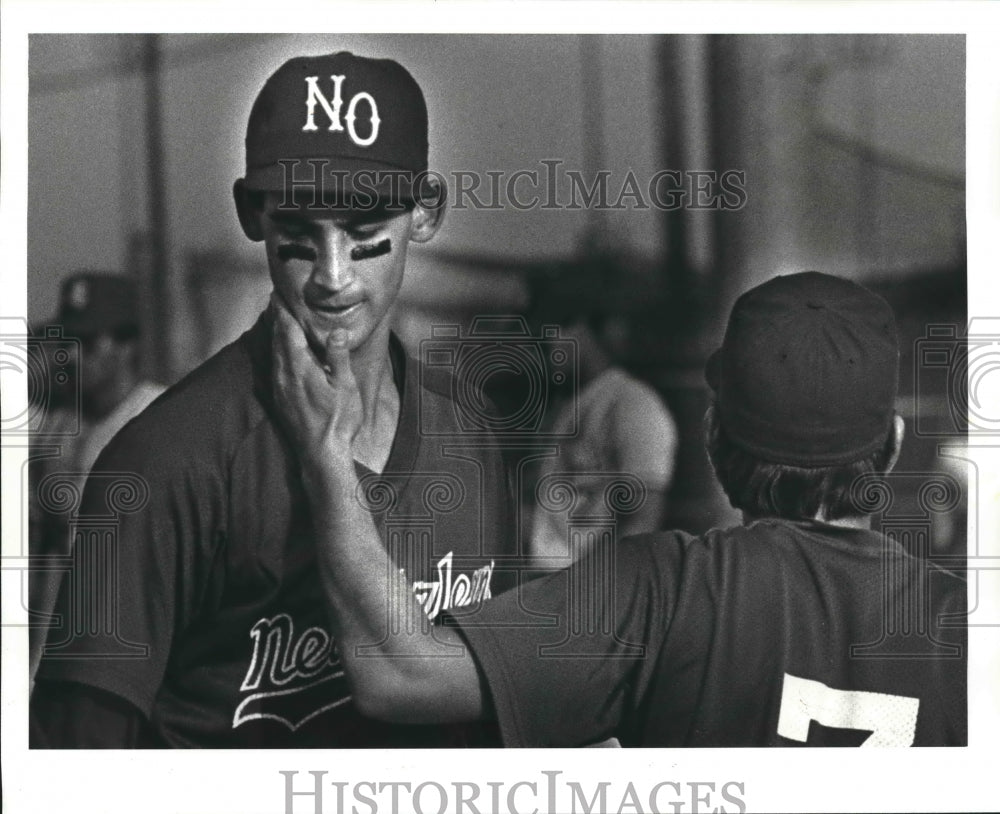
(344, 178)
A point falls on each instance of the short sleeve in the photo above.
(567, 657)
(146, 517)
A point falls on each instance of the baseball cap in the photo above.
(93, 302)
(808, 371)
(346, 122)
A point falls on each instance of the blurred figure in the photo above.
(101, 311)
(621, 424)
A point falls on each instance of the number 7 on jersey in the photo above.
(892, 719)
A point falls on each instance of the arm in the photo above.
(418, 674)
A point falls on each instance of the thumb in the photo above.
(338, 355)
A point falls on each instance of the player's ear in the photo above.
(428, 213)
(247, 211)
(898, 428)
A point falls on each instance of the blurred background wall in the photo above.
(852, 148)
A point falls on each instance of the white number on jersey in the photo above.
(892, 719)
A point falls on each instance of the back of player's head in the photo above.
(805, 386)
(340, 124)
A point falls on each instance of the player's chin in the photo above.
(319, 331)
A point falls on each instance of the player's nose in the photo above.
(333, 269)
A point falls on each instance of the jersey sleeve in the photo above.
(567, 658)
(66, 715)
(148, 520)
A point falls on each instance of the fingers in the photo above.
(289, 344)
(291, 359)
(338, 356)
(287, 330)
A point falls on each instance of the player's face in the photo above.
(102, 362)
(337, 269)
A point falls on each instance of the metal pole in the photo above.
(160, 345)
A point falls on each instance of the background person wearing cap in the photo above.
(218, 571)
(101, 311)
(802, 626)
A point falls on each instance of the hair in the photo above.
(765, 489)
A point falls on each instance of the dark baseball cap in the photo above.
(347, 122)
(94, 302)
(808, 371)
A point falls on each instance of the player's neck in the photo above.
(372, 366)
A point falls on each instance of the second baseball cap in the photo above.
(808, 370)
(340, 120)
(92, 302)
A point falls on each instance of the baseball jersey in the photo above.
(76, 455)
(777, 633)
(220, 631)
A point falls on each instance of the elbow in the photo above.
(384, 698)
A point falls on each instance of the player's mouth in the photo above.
(337, 310)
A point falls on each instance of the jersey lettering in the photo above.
(448, 591)
(892, 719)
(294, 676)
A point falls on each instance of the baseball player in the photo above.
(100, 310)
(217, 631)
(802, 626)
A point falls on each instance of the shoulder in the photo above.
(452, 401)
(639, 400)
(657, 553)
(199, 418)
(715, 550)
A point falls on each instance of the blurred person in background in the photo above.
(613, 423)
(101, 311)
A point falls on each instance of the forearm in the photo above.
(400, 668)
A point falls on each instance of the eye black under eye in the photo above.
(295, 251)
(370, 250)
